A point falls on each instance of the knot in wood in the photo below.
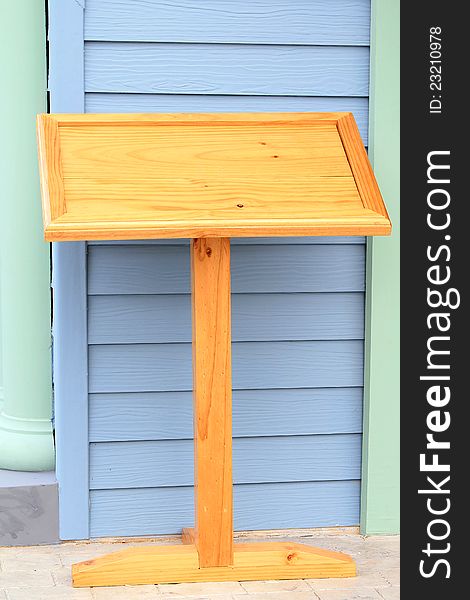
(291, 556)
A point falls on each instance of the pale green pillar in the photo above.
(26, 441)
(1, 358)
(381, 460)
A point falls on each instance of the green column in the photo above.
(380, 492)
(26, 441)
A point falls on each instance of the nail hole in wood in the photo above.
(240, 205)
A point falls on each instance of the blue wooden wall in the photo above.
(298, 304)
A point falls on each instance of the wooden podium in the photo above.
(208, 177)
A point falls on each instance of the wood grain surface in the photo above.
(173, 564)
(212, 393)
(200, 175)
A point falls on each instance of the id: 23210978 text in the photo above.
(435, 70)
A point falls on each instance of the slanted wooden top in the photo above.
(206, 175)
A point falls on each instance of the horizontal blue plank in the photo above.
(169, 463)
(226, 69)
(256, 365)
(156, 511)
(301, 241)
(169, 415)
(161, 269)
(132, 319)
(150, 103)
(263, 21)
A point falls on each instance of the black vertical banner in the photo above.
(435, 268)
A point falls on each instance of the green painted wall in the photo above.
(380, 494)
(26, 441)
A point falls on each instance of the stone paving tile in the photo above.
(31, 579)
(392, 541)
(311, 595)
(392, 575)
(374, 561)
(62, 576)
(287, 585)
(216, 597)
(128, 592)
(27, 562)
(390, 593)
(370, 580)
(8, 551)
(364, 594)
(214, 588)
(345, 544)
(52, 593)
(29, 553)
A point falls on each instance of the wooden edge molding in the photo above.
(50, 167)
(374, 221)
(360, 165)
(61, 232)
(125, 119)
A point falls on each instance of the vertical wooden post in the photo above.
(212, 385)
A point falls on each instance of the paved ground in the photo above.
(43, 573)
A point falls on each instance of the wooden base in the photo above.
(180, 563)
(208, 552)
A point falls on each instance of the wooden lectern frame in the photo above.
(208, 177)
